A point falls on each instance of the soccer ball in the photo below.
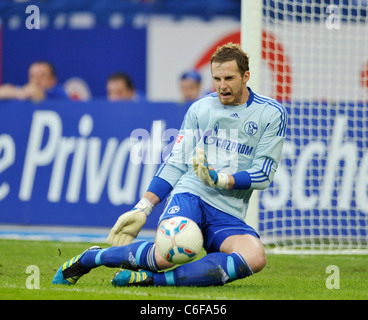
(179, 240)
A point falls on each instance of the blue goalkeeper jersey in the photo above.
(247, 137)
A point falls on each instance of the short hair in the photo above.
(124, 77)
(191, 74)
(49, 64)
(229, 52)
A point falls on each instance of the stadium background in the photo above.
(154, 42)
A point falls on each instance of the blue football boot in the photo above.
(126, 278)
(71, 270)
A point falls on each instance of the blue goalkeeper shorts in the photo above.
(216, 225)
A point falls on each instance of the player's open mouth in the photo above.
(225, 94)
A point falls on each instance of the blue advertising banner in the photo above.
(321, 186)
(68, 163)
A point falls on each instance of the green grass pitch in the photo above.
(285, 277)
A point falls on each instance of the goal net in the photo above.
(314, 60)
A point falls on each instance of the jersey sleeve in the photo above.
(268, 151)
(176, 163)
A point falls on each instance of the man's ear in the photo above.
(246, 77)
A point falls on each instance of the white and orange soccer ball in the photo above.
(179, 240)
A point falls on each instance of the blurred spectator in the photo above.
(190, 85)
(120, 87)
(42, 84)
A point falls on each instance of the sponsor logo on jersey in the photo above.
(228, 145)
(210, 137)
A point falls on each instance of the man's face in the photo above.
(118, 90)
(40, 75)
(190, 89)
(231, 87)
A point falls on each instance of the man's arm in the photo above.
(151, 197)
(28, 91)
(8, 91)
(130, 223)
(268, 152)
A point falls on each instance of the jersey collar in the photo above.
(251, 97)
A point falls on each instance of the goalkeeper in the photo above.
(229, 144)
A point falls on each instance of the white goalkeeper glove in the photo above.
(129, 224)
(207, 173)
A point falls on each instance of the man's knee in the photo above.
(258, 261)
(249, 247)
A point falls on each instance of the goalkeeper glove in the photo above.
(129, 224)
(206, 173)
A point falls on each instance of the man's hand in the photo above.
(33, 92)
(207, 173)
(129, 224)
